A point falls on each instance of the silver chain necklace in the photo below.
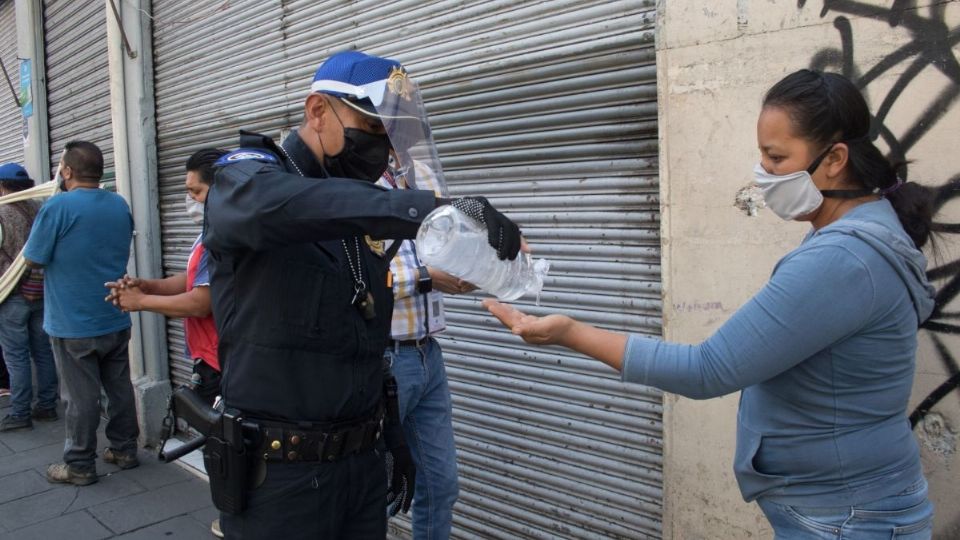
(355, 271)
(290, 159)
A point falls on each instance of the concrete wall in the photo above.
(715, 60)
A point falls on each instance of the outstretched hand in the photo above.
(604, 345)
(549, 330)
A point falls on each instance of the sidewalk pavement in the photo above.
(152, 501)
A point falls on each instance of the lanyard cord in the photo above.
(355, 272)
(426, 295)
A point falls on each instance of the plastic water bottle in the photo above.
(451, 241)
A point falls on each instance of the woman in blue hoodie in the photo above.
(824, 354)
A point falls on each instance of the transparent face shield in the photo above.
(397, 103)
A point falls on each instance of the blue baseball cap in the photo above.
(11, 172)
(357, 78)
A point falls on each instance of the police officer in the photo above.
(302, 300)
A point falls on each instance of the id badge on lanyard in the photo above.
(432, 299)
(435, 318)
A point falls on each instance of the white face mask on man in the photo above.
(194, 209)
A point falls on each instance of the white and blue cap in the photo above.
(380, 87)
(370, 84)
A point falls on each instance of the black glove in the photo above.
(401, 472)
(502, 234)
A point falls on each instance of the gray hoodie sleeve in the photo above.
(817, 296)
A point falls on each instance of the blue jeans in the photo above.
(905, 516)
(425, 412)
(22, 338)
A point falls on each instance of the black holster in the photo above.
(224, 450)
(225, 459)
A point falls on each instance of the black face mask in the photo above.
(364, 156)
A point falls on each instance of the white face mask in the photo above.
(789, 195)
(194, 209)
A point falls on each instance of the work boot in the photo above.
(10, 423)
(61, 473)
(124, 461)
(44, 415)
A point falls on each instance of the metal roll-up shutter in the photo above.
(78, 82)
(11, 121)
(549, 109)
(214, 72)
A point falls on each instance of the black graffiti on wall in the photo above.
(930, 45)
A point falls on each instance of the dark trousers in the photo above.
(86, 365)
(4, 378)
(345, 499)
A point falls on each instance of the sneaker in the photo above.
(123, 461)
(10, 423)
(61, 473)
(215, 528)
(44, 415)
(4, 392)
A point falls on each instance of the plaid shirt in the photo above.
(415, 315)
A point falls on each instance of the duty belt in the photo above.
(289, 443)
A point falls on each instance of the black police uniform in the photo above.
(300, 359)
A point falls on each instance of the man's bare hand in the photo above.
(129, 298)
(448, 284)
(116, 286)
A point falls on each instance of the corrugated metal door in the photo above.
(548, 108)
(11, 122)
(78, 82)
(215, 71)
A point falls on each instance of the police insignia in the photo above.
(244, 154)
(399, 83)
(376, 246)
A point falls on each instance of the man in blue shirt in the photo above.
(82, 240)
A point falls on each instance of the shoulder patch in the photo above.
(246, 154)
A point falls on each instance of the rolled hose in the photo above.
(10, 278)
